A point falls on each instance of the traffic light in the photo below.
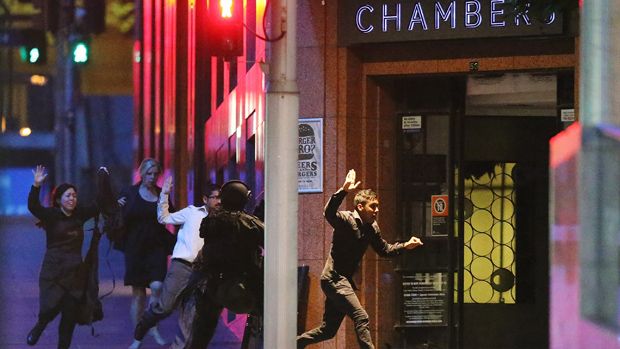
(80, 51)
(33, 48)
(225, 28)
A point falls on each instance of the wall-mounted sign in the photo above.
(567, 115)
(310, 156)
(439, 215)
(411, 123)
(368, 21)
(425, 301)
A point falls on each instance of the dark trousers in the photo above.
(341, 300)
(67, 308)
(205, 320)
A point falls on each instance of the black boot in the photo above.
(146, 322)
(35, 333)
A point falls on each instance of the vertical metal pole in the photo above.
(281, 181)
(64, 97)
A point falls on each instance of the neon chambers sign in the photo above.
(410, 20)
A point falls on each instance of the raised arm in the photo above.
(163, 207)
(34, 205)
(331, 208)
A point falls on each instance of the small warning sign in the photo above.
(439, 215)
(439, 205)
(411, 123)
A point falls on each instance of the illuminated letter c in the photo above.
(358, 19)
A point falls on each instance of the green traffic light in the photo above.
(30, 55)
(80, 53)
(33, 55)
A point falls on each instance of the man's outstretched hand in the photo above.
(413, 243)
(167, 187)
(349, 182)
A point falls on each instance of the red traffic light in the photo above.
(225, 28)
(226, 8)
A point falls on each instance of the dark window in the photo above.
(232, 75)
(220, 81)
(250, 166)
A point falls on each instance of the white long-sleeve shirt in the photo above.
(189, 241)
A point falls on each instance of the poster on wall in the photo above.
(310, 156)
(425, 299)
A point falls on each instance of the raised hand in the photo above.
(413, 243)
(349, 182)
(167, 187)
(39, 175)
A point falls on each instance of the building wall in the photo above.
(340, 85)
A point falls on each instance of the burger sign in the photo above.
(310, 156)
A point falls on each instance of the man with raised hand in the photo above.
(188, 244)
(353, 232)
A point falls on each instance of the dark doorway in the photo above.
(486, 152)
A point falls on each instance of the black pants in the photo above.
(341, 300)
(205, 320)
(67, 308)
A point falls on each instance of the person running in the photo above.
(60, 287)
(353, 232)
(185, 251)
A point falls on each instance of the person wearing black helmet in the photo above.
(228, 267)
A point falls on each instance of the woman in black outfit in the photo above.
(60, 287)
(147, 243)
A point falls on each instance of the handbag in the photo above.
(89, 308)
(113, 214)
(114, 226)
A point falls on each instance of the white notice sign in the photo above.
(567, 115)
(411, 123)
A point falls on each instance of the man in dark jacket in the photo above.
(228, 264)
(353, 232)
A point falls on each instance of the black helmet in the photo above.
(234, 195)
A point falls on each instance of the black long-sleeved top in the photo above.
(64, 238)
(231, 241)
(351, 239)
(63, 232)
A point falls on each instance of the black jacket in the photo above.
(351, 239)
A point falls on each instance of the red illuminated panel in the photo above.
(147, 70)
(157, 53)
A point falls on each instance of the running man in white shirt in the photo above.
(188, 244)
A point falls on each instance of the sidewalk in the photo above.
(22, 246)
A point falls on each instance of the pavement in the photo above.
(22, 246)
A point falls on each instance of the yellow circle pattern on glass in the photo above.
(481, 268)
(481, 220)
(502, 208)
(504, 260)
(481, 244)
(481, 292)
(482, 198)
(502, 232)
(468, 232)
(468, 256)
